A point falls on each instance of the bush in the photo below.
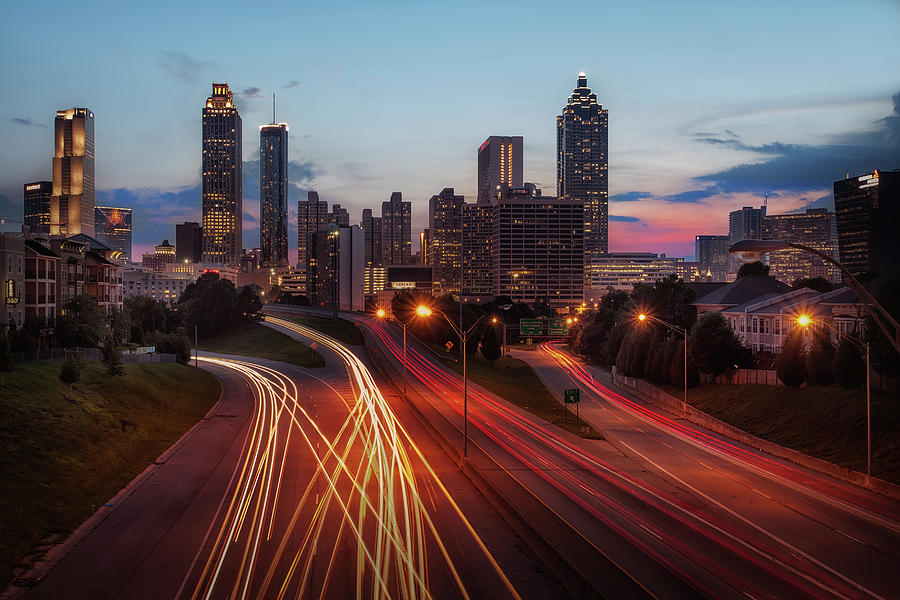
(820, 358)
(791, 363)
(174, 343)
(490, 345)
(112, 358)
(713, 347)
(70, 373)
(849, 364)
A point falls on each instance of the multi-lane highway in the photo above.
(679, 511)
(301, 483)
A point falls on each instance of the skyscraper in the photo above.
(582, 164)
(868, 210)
(396, 231)
(112, 226)
(72, 203)
(372, 234)
(312, 216)
(339, 216)
(273, 192)
(816, 228)
(711, 254)
(188, 242)
(37, 197)
(445, 231)
(479, 222)
(499, 163)
(222, 191)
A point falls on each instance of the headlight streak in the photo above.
(509, 431)
(377, 499)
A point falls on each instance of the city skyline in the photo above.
(687, 144)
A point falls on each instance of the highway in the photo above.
(677, 511)
(301, 483)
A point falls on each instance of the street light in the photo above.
(421, 311)
(463, 336)
(805, 321)
(643, 317)
(749, 251)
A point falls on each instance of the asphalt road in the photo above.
(301, 483)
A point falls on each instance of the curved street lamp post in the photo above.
(643, 317)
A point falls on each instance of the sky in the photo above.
(711, 105)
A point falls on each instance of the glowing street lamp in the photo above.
(805, 321)
(642, 317)
(421, 311)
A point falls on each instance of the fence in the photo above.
(90, 354)
(744, 376)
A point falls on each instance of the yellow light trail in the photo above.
(368, 470)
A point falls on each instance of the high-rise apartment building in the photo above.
(335, 268)
(273, 193)
(396, 231)
(312, 216)
(539, 248)
(479, 223)
(712, 256)
(222, 180)
(816, 228)
(582, 164)
(746, 224)
(72, 202)
(868, 210)
(339, 216)
(37, 195)
(499, 163)
(371, 227)
(112, 226)
(188, 242)
(445, 233)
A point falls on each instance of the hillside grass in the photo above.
(341, 330)
(825, 422)
(253, 339)
(62, 459)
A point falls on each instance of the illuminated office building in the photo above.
(188, 242)
(711, 252)
(37, 196)
(273, 193)
(582, 164)
(112, 226)
(623, 270)
(222, 191)
(479, 223)
(816, 228)
(371, 226)
(868, 210)
(445, 239)
(396, 231)
(312, 216)
(72, 202)
(499, 163)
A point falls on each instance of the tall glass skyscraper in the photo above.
(38, 195)
(396, 231)
(582, 164)
(499, 163)
(273, 193)
(222, 192)
(72, 203)
(112, 226)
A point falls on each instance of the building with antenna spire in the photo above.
(222, 179)
(273, 191)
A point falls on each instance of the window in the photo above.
(777, 326)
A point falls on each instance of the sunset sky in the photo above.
(711, 104)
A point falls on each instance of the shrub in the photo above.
(791, 363)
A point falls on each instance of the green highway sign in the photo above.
(557, 327)
(573, 396)
(530, 327)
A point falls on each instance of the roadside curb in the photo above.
(58, 551)
(661, 399)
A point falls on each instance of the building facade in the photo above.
(188, 242)
(339, 216)
(163, 254)
(336, 268)
(479, 223)
(312, 216)
(371, 226)
(112, 226)
(396, 231)
(711, 252)
(12, 276)
(582, 164)
(623, 270)
(72, 202)
(222, 179)
(746, 224)
(273, 193)
(499, 163)
(816, 228)
(445, 239)
(38, 196)
(867, 209)
(41, 267)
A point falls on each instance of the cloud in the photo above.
(182, 66)
(630, 196)
(291, 84)
(625, 219)
(802, 167)
(249, 93)
(26, 122)
(10, 209)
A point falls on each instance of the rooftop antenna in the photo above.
(273, 107)
(766, 200)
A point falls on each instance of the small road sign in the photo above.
(449, 345)
(557, 326)
(573, 396)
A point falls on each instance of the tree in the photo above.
(490, 345)
(885, 358)
(210, 303)
(70, 373)
(820, 284)
(112, 358)
(89, 322)
(633, 353)
(173, 343)
(119, 324)
(820, 358)
(714, 347)
(791, 363)
(6, 358)
(249, 301)
(755, 269)
(849, 364)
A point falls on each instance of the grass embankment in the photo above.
(253, 339)
(60, 460)
(341, 330)
(825, 422)
(516, 382)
